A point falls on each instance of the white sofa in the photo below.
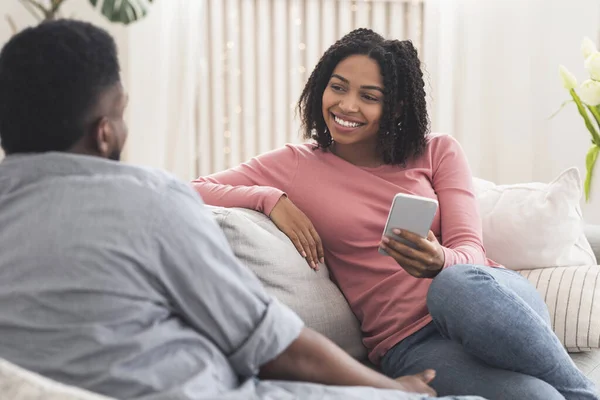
(270, 254)
(273, 258)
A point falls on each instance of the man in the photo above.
(114, 278)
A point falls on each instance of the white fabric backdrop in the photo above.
(215, 82)
(494, 76)
(163, 84)
(492, 66)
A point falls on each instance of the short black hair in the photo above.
(51, 77)
(402, 136)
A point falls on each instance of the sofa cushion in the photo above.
(268, 252)
(572, 295)
(589, 364)
(19, 384)
(534, 225)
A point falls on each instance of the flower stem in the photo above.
(586, 118)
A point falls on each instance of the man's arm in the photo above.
(224, 301)
(314, 358)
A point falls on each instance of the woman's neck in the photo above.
(359, 154)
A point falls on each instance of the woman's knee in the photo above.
(529, 388)
(452, 283)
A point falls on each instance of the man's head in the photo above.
(60, 90)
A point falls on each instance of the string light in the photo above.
(227, 150)
(298, 21)
(302, 46)
(227, 134)
(301, 69)
(238, 110)
(230, 45)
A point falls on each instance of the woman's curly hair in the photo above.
(404, 123)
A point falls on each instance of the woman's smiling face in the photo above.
(353, 101)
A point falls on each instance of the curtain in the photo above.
(215, 82)
(493, 68)
(163, 60)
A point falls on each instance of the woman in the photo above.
(482, 327)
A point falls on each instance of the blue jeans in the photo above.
(490, 337)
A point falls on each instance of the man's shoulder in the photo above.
(86, 176)
(149, 177)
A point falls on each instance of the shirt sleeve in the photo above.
(212, 291)
(461, 229)
(257, 184)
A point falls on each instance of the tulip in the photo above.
(568, 79)
(588, 47)
(592, 64)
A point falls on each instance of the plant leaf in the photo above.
(29, 7)
(560, 108)
(590, 162)
(595, 114)
(123, 11)
(586, 118)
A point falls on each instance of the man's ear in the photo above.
(104, 137)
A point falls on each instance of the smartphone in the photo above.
(411, 213)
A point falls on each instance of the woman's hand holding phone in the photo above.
(426, 260)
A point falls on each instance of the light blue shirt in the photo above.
(116, 279)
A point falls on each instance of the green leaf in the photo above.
(560, 108)
(122, 11)
(586, 118)
(595, 113)
(590, 162)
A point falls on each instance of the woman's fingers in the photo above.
(309, 252)
(292, 221)
(319, 244)
(414, 254)
(315, 244)
(409, 265)
(297, 243)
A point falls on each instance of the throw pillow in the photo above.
(17, 383)
(534, 225)
(269, 253)
(572, 295)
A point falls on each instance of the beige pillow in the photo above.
(572, 295)
(268, 252)
(17, 383)
(534, 225)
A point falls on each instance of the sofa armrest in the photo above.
(592, 233)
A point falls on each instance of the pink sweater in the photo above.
(348, 205)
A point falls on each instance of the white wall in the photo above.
(494, 76)
(80, 9)
(565, 138)
(552, 31)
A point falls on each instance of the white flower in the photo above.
(590, 92)
(568, 79)
(588, 47)
(592, 64)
